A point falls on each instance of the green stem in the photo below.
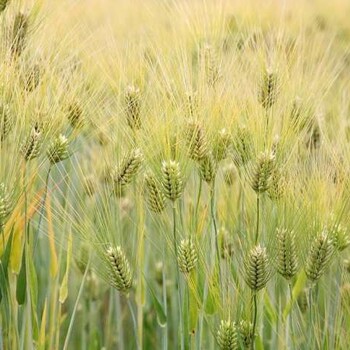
(72, 319)
(134, 322)
(165, 328)
(197, 203)
(178, 277)
(290, 287)
(255, 316)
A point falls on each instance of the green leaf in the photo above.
(64, 285)
(21, 282)
(161, 316)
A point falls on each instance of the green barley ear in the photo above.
(287, 257)
(19, 34)
(31, 146)
(302, 300)
(263, 172)
(155, 196)
(191, 104)
(340, 237)
(58, 149)
(187, 256)
(245, 331)
(211, 64)
(230, 174)
(127, 169)
(5, 205)
(319, 257)
(3, 4)
(221, 145)
(133, 107)
(227, 335)
(207, 168)
(6, 122)
(278, 185)
(242, 146)
(75, 115)
(120, 276)
(172, 182)
(257, 269)
(196, 140)
(268, 89)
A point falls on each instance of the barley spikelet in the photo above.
(31, 146)
(191, 105)
(207, 168)
(278, 185)
(58, 149)
(5, 205)
(19, 34)
(287, 257)
(319, 257)
(155, 197)
(227, 335)
(211, 64)
(263, 172)
(245, 331)
(127, 170)
(268, 89)
(221, 145)
(187, 256)
(172, 182)
(242, 146)
(75, 115)
(5, 122)
(133, 107)
(257, 268)
(340, 237)
(120, 276)
(196, 140)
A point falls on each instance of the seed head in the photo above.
(287, 257)
(127, 170)
(155, 196)
(268, 89)
(133, 107)
(257, 268)
(31, 146)
(5, 122)
(120, 276)
(58, 150)
(227, 335)
(187, 256)
(263, 172)
(19, 34)
(278, 185)
(196, 140)
(242, 146)
(245, 330)
(172, 180)
(211, 64)
(319, 257)
(221, 145)
(75, 115)
(340, 237)
(207, 168)
(5, 204)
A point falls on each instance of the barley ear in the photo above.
(58, 149)
(227, 335)
(187, 256)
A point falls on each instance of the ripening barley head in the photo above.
(278, 185)
(245, 331)
(172, 181)
(319, 256)
(187, 256)
(31, 146)
(268, 89)
(196, 140)
(340, 237)
(155, 196)
(226, 335)
(191, 104)
(119, 273)
(19, 34)
(6, 121)
(124, 173)
(75, 115)
(263, 172)
(287, 255)
(5, 204)
(58, 149)
(210, 64)
(133, 107)
(207, 168)
(242, 146)
(221, 144)
(257, 268)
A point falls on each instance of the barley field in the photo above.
(174, 174)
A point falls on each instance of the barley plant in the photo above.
(174, 174)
